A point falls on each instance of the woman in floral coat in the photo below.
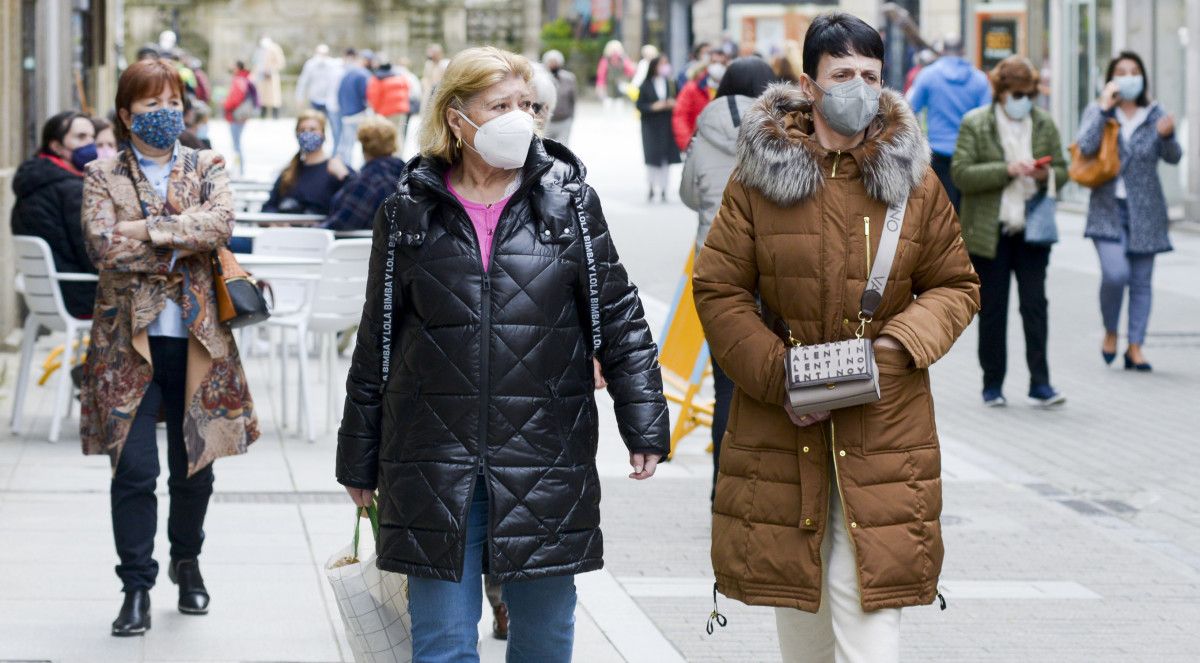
(151, 218)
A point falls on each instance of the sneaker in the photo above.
(1043, 395)
(993, 397)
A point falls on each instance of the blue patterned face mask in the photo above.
(158, 129)
(310, 141)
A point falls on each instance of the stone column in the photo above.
(11, 100)
(532, 42)
(631, 27)
(1191, 151)
(454, 28)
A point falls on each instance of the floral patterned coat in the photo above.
(136, 277)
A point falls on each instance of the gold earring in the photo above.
(458, 143)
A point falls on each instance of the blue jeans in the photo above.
(1120, 270)
(235, 130)
(445, 615)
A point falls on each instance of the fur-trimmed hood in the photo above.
(778, 155)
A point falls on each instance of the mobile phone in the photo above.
(1043, 162)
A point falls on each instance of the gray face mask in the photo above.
(849, 107)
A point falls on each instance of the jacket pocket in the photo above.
(902, 419)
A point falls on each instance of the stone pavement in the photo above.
(1071, 535)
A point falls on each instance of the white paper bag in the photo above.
(373, 604)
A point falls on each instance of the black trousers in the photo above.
(724, 399)
(134, 504)
(1028, 263)
(941, 168)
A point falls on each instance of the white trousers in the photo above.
(658, 177)
(840, 632)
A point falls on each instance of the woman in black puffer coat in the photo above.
(482, 441)
(49, 190)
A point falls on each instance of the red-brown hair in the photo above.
(144, 79)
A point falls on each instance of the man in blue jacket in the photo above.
(352, 102)
(947, 90)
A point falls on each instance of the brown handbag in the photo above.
(1104, 165)
(240, 301)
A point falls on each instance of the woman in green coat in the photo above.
(996, 166)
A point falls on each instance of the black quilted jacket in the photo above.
(490, 376)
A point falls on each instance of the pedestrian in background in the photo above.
(388, 95)
(354, 205)
(996, 167)
(566, 90)
(649, 52)
(612, 74)
(945, 91)
(1127, 216)
(152, 218)
(432, 72)
(921, 59)
(268, 62)
(49, 194)
(694, 96)
(240, 105)
(309, 182)
(482, 212)
(656, 101)
(352, 103)
(695, 64)
(831, 518)
(106, 138)
(545, 98)
(318, 81)
(706, 171)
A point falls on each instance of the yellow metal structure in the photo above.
(53, 362)
(684, 360)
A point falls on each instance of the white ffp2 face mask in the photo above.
(503, 141)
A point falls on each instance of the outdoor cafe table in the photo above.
(274, 217)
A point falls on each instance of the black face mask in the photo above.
(554, 70)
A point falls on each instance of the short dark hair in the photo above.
(1143, 98)
(748, 77)
(57, 127)
(838, 34)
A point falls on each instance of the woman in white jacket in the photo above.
(709, 162)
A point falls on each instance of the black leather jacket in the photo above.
(491, 379)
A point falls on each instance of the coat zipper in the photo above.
(837, 157)
(837, 479)
(867, 244)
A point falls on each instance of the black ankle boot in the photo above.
(193, 597)
(134, 618)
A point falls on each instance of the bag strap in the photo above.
(872, 296)
(733, 111)
(589, 278)
(877, 280)
(372, 513)
(389, 298)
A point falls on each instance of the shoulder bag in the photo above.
(1104, 165)
(831, 376)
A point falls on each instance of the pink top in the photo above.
(484, 218)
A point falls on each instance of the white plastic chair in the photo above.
(288, 297)
(336, 306)
(43, 297)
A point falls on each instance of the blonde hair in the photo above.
(613, 47)
(288, 178)
(378, 138)
(470, 72)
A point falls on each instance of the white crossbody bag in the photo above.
(831, 376)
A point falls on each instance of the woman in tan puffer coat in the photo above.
(835, 514)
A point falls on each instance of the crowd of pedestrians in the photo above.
(786, 159)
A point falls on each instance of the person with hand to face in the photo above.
(152, 217)
(49, 194)
(831, 518)
(656, 103)
(996, 168)
(312, 178)
(482, 440)
(1127, 216)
